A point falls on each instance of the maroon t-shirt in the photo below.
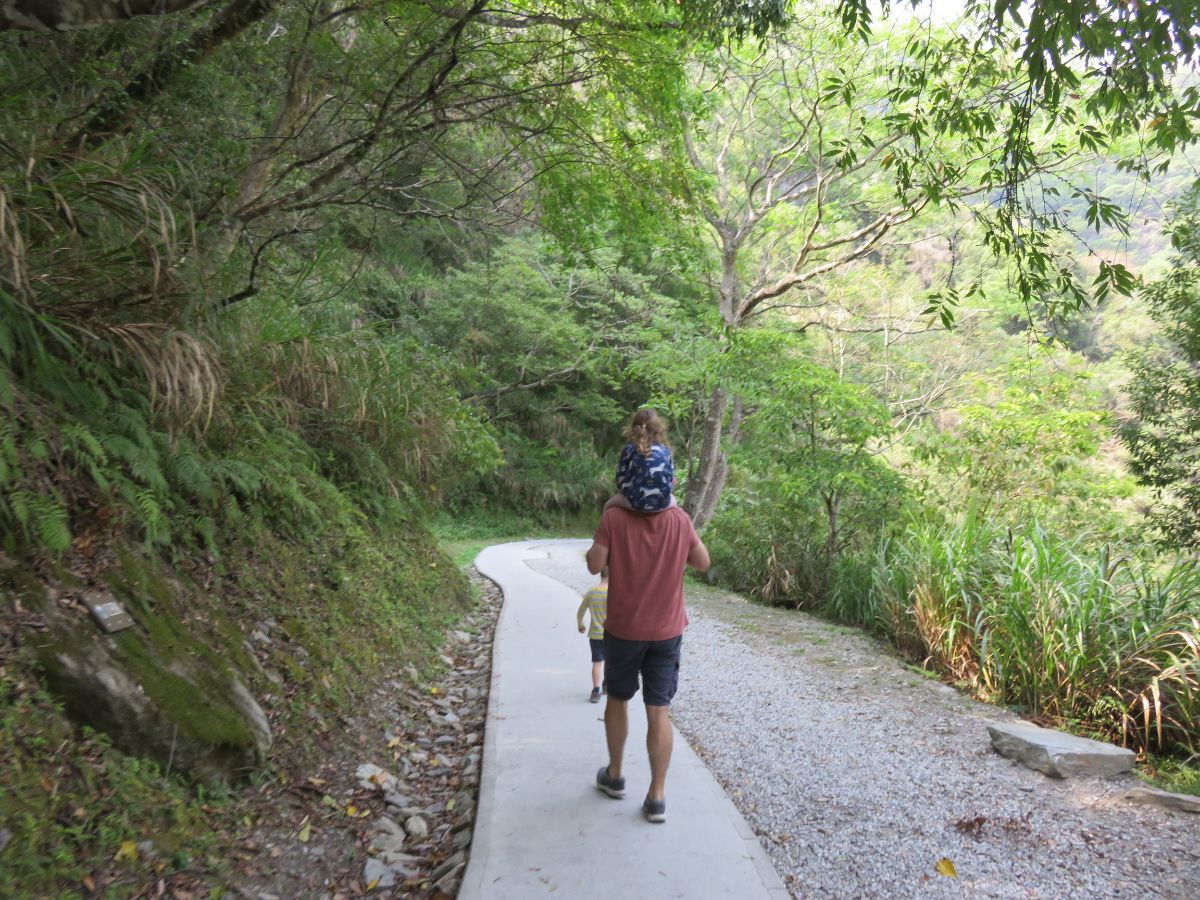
(646, 557)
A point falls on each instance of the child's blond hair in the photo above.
(647, 429)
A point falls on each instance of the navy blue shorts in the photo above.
(657, 662)
(597, 649)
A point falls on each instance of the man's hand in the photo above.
(582, 629)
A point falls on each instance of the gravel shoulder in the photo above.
(860, 774)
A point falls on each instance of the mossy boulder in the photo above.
(168, 689)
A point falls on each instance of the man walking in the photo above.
(645, 554)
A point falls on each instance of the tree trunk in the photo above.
(30, 15)
(706, 482)
(115, 113)
(833, 501)
(298, 103)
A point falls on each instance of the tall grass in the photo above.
(1069, 633)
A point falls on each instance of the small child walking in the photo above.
(646, 469)
(595, 602)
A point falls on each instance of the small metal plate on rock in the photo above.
(110, 615)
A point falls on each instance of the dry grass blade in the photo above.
(183, 373)
(14, 247)
(1165, 710)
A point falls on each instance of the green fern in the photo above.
(153, 522)
(20, 503)
(50, 522)
(238, 476)
(191, 474)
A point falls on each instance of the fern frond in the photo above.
(50, 522)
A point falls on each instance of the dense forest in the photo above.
(291, 290)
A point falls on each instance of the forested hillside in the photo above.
(288, 287)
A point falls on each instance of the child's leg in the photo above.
(597, 662)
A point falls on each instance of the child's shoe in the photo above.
(595, 698)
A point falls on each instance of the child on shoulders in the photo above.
(646, 470)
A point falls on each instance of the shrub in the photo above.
(1111, 643)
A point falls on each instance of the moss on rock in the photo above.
(156, 689)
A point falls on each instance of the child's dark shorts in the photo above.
(597, 649)
(656, 661)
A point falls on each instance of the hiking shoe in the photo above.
(595, 698)
(654, 810)
(614, 787)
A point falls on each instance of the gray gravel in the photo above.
(860, 775)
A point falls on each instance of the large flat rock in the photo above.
(1165, 799)
(1056, 753)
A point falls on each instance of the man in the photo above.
(645, 554)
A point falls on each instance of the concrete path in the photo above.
(542, 828)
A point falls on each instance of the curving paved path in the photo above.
(542, 828)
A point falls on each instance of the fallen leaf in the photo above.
(305, 833)
(329, 801)
(394, 742)
(371, 886)
(319, 782)
(89, 882)
(352, 811)
(946, 867)
(128, 851)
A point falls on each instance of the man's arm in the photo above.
(697, 557)
(597, 557)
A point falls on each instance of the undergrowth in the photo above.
(1182, 776)
(81, 814)
(349, 606)
(464, 533)
(1103, 641)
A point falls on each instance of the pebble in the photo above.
(446, 867)
(388, 826)
(434, 723)
(378, 874)
(385, 842)
(416, 827)
(372, 778)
